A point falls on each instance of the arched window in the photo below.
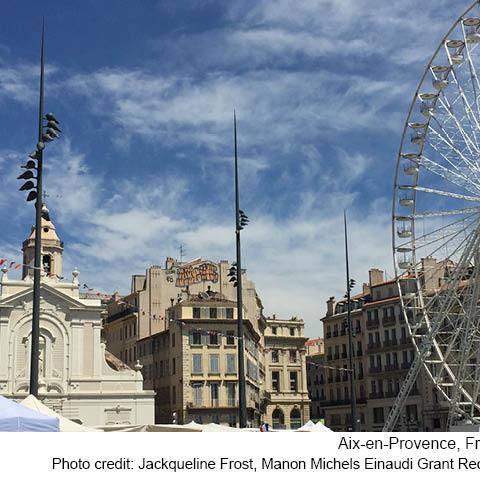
(278, 419)
(295, 419)
(47, 264)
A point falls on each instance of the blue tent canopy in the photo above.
(17, 418)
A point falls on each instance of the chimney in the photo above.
(330, 306)
(375, 276)
(365, 288)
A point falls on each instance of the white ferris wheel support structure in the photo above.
(436, 224)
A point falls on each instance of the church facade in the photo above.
(78, 377)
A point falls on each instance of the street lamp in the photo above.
(350, 285)
(51, 132)
(241, 220)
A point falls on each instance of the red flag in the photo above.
(2, 261)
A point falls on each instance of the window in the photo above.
(378, 415)
(293, 356)
(293, 381)
(173, 340)
(197, 394)
(274, 330)
(174, 366)
(213, 312)
(276, 381)
(197, 363)
(214, 387)
(214, 363)
(196, 338)
(295, 419)
(174, 395)
(230, 337)
(196, 312)
(231, 363)
(213, 338)
(229, 312)
(274, 356)
(231, 388)
(292, 332)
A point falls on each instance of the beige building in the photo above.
(193, 366)
(138, 328)
(384, 354)
(286, 377)
(143, 312)
(315, 365)
(78, 377)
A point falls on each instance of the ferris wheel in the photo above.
(436, 223)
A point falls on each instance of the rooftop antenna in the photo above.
(182, 252)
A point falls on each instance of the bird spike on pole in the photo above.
(353, 400)
(242, 398)
(34, 360)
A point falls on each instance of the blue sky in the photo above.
(145, 93)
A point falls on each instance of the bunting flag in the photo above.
(200, 330)
(15, 265)
(104, 296)
(328, 367)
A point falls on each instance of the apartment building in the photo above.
(192, 366)
(143, 312)
(336, 400)
(315, 365)
(286, 377)
(387, 354)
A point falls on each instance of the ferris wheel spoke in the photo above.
(443, 193)
(441, 232)
(446, 238)
(446, 140)
(453, 176)
(469, 143)
(467, 105)
(473, 72)
(445, 213)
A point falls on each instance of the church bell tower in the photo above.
(52, 250)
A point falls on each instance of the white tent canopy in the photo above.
(18, 418)
(313, 427)
(65, 424)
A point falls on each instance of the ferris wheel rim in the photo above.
(396, 196)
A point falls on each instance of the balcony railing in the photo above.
(388, 321)
(375, 369)
(374, 346)
(405, 340)
(406, 365)
(391, 367)
(329, 357)
(373, 323)
(374, 395)
(392, 342)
